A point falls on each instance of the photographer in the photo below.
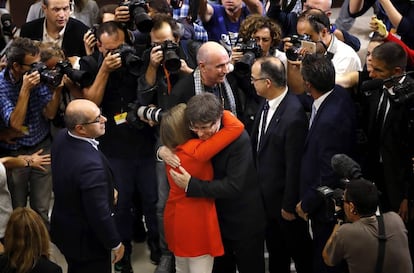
(128, 149)
(26, 105)
(315, 24)
(358, 241)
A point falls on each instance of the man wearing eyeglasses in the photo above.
(128, 148)
(26, 105)
(57, 27)
(83, 224)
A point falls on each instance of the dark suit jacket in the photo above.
(395, 147)
(43, 265)
(332, 132)
(239, 205)
(279, 156)
(82, 222)
(72, 43)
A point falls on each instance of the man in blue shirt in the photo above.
(26, 105)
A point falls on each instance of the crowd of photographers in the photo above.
(137, 59)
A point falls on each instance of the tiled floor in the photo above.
(140, 254)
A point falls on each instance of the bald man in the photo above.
(82, 223)
(209, 76)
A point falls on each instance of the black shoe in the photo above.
(124, 266)
(166, 265)
(155, 251)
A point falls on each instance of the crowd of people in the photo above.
(207, 129)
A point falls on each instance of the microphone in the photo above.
(9, 28)
(346, 167)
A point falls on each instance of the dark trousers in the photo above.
(246, 254)
(286, 240)
(132, 174)
(99, 265)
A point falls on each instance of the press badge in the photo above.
(120, 118)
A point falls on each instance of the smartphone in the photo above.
(309, 46)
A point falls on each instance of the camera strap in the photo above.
(381, 244)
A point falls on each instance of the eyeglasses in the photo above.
(97, 120)
(255, 80)
(30, 65)
(201, 128)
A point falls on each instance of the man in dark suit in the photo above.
(331, 131)
(57, 27)
(82, 222)
(388, 161)
(278, 138)
(239, 205)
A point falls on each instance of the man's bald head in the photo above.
(208, 50)
(78, 112)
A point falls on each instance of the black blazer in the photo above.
(239, 205)
(72, 43)
(395, 146)
(279, 156)
(82, 222)
(332, 132)
(43, 265)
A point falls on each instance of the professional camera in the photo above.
(129, 60)
(9, 28)
(49, 77)
(293, 53)
(139, 112)
(93, 29)
(138, 12)
(251, 50)
(170, 51)
(82, 77)
(347, 169)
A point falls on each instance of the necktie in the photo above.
(313, 114)
(264, 121)
(379, 123)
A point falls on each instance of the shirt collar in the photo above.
(92, 141)
(48, 38)
(318, 102)
(274, 103)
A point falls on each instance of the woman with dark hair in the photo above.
(26, 244)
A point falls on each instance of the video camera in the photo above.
(129, 58)
(49, 77)
(402, 91)
(251, 50)
(170, 51)
(346, 168)
(138, 11)
(299, 42)
(147, 112)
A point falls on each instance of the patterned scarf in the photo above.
(199, 88)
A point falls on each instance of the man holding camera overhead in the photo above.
(166, 62)
(127, 145)
(26, 106)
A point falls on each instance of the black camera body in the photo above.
(139, 112)
(333, 202)
(172, 61)
(293, 53)
(129, 58)
(49, 77)
(251, 51)
(138, 12)
(83, 78)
